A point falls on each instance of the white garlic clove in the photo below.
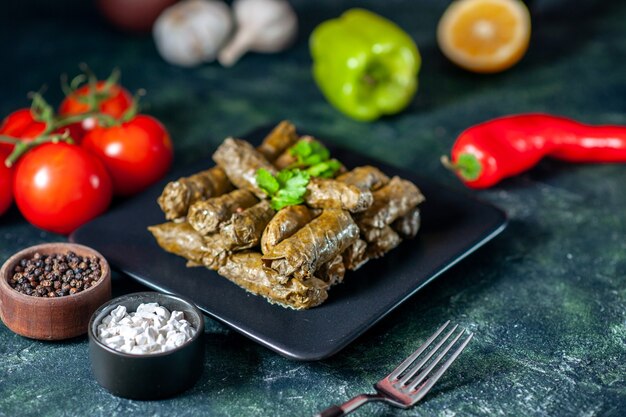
(192, 32)
(262, 26)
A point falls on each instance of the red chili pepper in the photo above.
(488, 152)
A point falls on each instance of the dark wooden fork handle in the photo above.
(350, 405)
(332, 411)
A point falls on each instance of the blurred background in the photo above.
(569, 66)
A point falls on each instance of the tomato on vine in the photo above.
(6, 180)
(137, 153)
(106, 97)
(59, 186)
(22, 124)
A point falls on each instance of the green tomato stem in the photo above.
(22, 147)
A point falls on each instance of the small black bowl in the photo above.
(151, 376)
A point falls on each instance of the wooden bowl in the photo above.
(51, 318)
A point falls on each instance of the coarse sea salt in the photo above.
(150, 329)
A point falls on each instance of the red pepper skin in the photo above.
(486, 153)
(595, 144)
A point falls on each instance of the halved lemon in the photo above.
(484, 35)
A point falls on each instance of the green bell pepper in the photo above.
(364, 64)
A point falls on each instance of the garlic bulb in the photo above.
(262, 26)
(192, 32)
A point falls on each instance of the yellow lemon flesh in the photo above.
(484, 35)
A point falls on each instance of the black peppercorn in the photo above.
(55, 275)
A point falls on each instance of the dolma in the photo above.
(408, 225)
(180, 239)
(241, 161)
(327, 193)
(332, 272)
(355, 256)
(316, 243)
(178, 195)
(386, 240)
(206, 216)
(183, 240)
(372, 234)
(244, 229)
(284, 224)
(391, 202)
(246, 270)
(278, 140)
(365, 178)
(217, 252)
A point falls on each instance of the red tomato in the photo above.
(21, 124)
(137, 153)
(115, 104)
(58, 187)
(6, 181)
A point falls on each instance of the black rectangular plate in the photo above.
(453, 226)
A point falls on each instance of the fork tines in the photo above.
(403, 377)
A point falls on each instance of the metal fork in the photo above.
(402, 388)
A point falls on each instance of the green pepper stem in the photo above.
(467, 166)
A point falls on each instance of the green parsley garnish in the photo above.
(309, 153)
(326, 169)
(288, 187)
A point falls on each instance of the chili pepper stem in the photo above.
(445, 161)
(466, 166)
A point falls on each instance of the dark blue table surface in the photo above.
(546, 299)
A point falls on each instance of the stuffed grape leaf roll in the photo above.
(385, 240)
(316, 243)
(408, 225)
(327, 193)
(284, 224)
(365, 178)
(183, 240)
(333, 271)
(282, 137)
(206, 216)
(241, 161)
(391, 202)
(244, 229)
(355, 256)
(246, 270)
(180, 239)
(178, 195)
